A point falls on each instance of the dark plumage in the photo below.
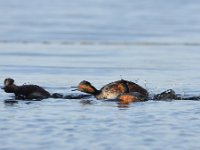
(166, 95)
(113, 89)
(25, 91)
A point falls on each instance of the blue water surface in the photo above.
(92, 124)
(100, 20)
(58, 43)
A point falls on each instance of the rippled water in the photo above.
(147, 20)
(56, 44)
(79, 124)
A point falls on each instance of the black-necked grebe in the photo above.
(166, 95)
(113, 89)
(25, 91)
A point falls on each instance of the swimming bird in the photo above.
(25, 91)
(113, 89)
(171, 95)
(166, 95)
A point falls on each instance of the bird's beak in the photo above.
(2, 87)
(75, 89)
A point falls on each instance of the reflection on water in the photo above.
(88, 123)
(58, 43)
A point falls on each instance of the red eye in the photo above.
(81, 86)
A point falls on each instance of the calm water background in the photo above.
(58, 43)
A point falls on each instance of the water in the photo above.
(57, 44)
(75, 124)
(129, 20)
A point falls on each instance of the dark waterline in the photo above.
(89, 124)
(57, 43)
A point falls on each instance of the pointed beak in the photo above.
(75, 89)
(2, 87)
